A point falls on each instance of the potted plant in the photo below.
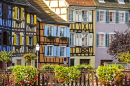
(18, 21)
(51, 37)
(64, 38)
(5, 57)
(32, 25)
(29, 57)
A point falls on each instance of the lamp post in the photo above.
(37, 49)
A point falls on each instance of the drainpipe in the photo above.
(25, 33)
(69, 46)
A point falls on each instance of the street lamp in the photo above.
(37, 49)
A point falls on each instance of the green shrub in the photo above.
(83, 66)
(109, 74)
(24, 75)
(11, 67)
(49, 66)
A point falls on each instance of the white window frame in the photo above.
(64, 50)
(87, 39)
(79, 16)
(73, 38)
(101, 1)
(64, 31)
(31, 41)
(18, 10)
(51, 29)
(109, 36)
(17, 39)
(121, 2)
(124, 16)
(73, 16)
(104, 15)
(99, 39)
(52, 50)
(112, 16)
(87, 16)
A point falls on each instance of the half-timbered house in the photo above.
(52, 35)
(23, 32)
(81, 15)
(5, 27)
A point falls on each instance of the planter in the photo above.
(18, 21)
(63, 38)
(51, 37)
(31, 47)
(17, 46)
(32, 25)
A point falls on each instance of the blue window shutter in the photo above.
(9, 13)
(54, 31)
(117, 17)
(107, 16)
(58, 51)
(0, 48)
(0, 37)
(0, 21)
(46, 49)
(9, 23)
(67, 51)
(98, 16)
(54, 50)
(45, 30)
(106, 40)
(9, 7)
(58, 31)
(126, 17)
(67, 32)
(97, 40)
(0, 11)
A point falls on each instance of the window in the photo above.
(5, 11)
(18, 10)
(122, 17)
(84, 15)
(101, 39)
(50, 31)
(111, 37)
(72, 39)
(0, 9)
(85, 39)
(71, 15)
(62, 31)
(84, 61)
(72, 62)
(30, 41)
(63, 51)
(50, 51)
(32, 19)
(102, 16)
(17, 39)
(5, 37)
(112, 17)
(18, 61)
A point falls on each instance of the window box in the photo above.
(32, 25)
(18, 21)
(18, 46)
(51, 37)
(31, 47)
(63, 38)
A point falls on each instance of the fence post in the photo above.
(125, 80)
(39, 79)
(42, 79)
(84, 79)
(96, 81)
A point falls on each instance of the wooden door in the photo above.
(71, 62)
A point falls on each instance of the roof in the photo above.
(81, 2)
(113, 3)
(45, 14)
(16, 2)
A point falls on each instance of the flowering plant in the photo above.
(125, 57)
(25, 75)
(5, 56)
(109, 74)
(68, 74)
(29, 57)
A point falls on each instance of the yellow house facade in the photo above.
(81, 16)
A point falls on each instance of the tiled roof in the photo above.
(113, 3)
(45, 14)
(81, 2)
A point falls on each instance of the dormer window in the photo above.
(101, 1)
(121, 1)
